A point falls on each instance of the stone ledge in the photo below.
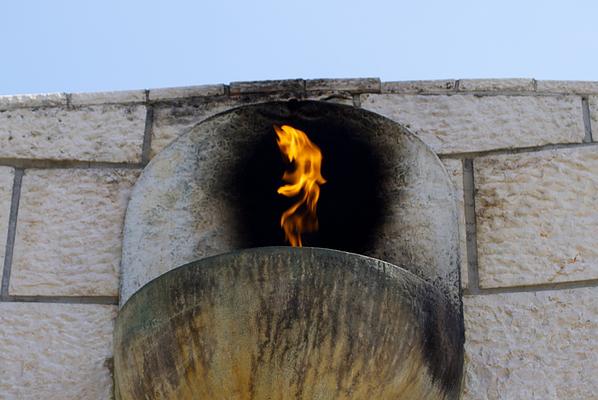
(536, 217)
(538, 345)
(273, 86)
(358, 85)
(496, 85)
(55, 351)
(567, 87)
(32, 100)
(186, 92)
(431, 86)
(115, 97)
(69, 232)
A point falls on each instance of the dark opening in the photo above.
(349, 209)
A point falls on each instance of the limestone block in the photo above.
(273, 86)
(455, 171)
(349, 85)
(186, 91)
(579, 87)
(532, 346)
(55, 351)
(468, 123)
(6, 182)
(112, 133)
(593, 103)
(495, 85)
(121, 96)
(32, 100)
(536, 217)
(69, 232)
(441, 85)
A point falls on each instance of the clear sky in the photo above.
(71, 46)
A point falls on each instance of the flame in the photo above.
(304, 180)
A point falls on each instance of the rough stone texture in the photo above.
(6, 183)
(288, 85)
(577, 87)
(536, 217)
(172, 120)
(345, 85)
(186, 91)
(444, 85)
(532, 346)
(455, 171)
(32, 100)
(495, 85)
(110, 133)
(469, 123)
(55, 351)
(124, 96)
(69, 232)
(593, 104)
(180, 195)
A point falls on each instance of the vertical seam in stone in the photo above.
(69, 101)
(356, 100)
(587, 123)
(534, 85)
(147, 135)
(457, 84)
(12, 231)
(470, 226)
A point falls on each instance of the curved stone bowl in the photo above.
(288, 323)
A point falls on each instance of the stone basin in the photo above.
(288, 323)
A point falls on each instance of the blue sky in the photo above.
(56, 46)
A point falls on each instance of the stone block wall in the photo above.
(520, 151)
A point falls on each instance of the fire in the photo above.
(304, 180)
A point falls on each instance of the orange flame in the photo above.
(304, 180)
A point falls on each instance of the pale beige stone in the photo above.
(455, 171)
(6, 183)
(441, 85)
(186, 91)
(32, 100)
(112, 133)
(495, 85)
(69, 232)
(593, 104)
(55, 351)
(470, 123)
(121, 96)
(537, 215)
(532, 345)
(578, 87)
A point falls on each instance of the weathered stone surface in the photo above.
(289, 323)
(287, 85)
(455, 171)
(577, 87)
(110, 133)
(6, 183)
(441, 85)
(468, 123)
(361, 85)
(536, 217)
(32, 100)
(593, 104)
(496, 85)
(55, 351)
(186, 91)
(172, 120)
(122, 97)
(69, 232)
(532, 345)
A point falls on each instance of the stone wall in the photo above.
(525, 169)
